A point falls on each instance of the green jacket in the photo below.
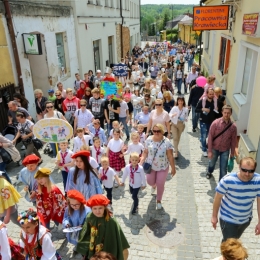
(97, 234)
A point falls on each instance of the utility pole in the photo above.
(200, 40)
(9, 22)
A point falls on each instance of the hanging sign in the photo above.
(32, 43)
(120, 70)
(250, 26)
(208, 18)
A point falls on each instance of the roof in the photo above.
(186, 20)
(174, 22)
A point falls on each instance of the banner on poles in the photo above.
(120, 70)
(111, 90)
(53, 130)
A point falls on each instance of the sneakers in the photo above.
(205, 154)
(153, 190)
(208, 175)
(193, 130)
(159, 205)
(23, 147)
(134, 211)
(216, 111)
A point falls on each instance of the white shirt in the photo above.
(94, 153)
(110, 177)
(84, 118)
(138, 148)
(67, 158)
(93, 163)
(123, 108)
(139, 176)
(182, 115)
(191, 77)
(4, 245)
(160, 95)
(78, 143)
(115, 145)
(48, 248)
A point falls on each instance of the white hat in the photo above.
(108, 70)
(98, 71)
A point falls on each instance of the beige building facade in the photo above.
(236, 53)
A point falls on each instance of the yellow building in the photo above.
(236, 52)
(6, 72)
(186, 33)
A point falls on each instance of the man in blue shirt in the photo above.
(235, 195)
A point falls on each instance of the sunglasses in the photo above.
(246, 170)
(156, 131)
(82, 105)
(50, 107)
(57, 95)
(158, 104)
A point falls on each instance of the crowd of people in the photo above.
(149, 116)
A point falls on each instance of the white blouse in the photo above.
(180, 115)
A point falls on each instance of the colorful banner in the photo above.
(111, 90)
(250, 22)
(120, 70)
(208, 18)
(53, 130)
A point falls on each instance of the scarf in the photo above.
(97, 153)
(63, 156)
(97, 131)
(132, 171)
(104, 175)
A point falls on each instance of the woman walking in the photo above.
(179, 115)
(158, 153)
(58, 101)
(179, 78)
(40, 103)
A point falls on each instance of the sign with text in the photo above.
(53, 130)
(250, 25)
(120, 70)
(111, 90)
(208, 18)
(32, 43)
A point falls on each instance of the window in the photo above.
(110, 50)
(247, 70)
(224, 55)
(96, 55)
(61, 40)
(107, 3)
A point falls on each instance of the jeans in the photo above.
(195, 117)
(134, 192)
(64, 178)
(123, 121)
(2, 168)
(204, 131)
(230, 230)
(179, 83)
(190, 62)
(136, 111)
(223, 162)
(109, 193)
(53, 147)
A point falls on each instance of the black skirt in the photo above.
(130, 107)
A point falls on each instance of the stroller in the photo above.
(10, 132)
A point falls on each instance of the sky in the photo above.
(187, 2)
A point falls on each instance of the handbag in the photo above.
(147, 167)
(37, 143)
(6, 157)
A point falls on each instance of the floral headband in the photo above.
(24, 217)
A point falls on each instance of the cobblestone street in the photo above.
(187, 208)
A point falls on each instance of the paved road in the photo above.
(187, 204)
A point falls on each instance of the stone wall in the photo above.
(126, 41)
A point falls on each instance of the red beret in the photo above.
(31, 159)
(80, 153)
(76, 195)
(98, 200)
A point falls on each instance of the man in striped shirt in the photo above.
(235, 195)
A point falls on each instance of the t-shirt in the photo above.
(57, 114)
(67, 159)
(24, 129)
(114, 104)
(138, 148)
(237, 203)
(115, 145)
(123, 109)
(110, 173)
(97, 107)
(94, 153)
(148, 103)
(12, 114)
(160, 161)
(142, 118)
(159, 119)
(84, 118)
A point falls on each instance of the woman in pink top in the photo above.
(159, 116)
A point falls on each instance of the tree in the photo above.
(153, 30)
(166, 17)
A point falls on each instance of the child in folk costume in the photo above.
(135, 146)
(97, 131)
(82, 177)
(50, 201)
(101, 232)
(116, 125)
(137, 179)
(115, 152)
(64, 161)
(96, 150)
(81, 139)
(26, 176)
(35, 239)
(9, 198)
(75, 214)
(107, 175)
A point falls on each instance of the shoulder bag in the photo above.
(222, 132)
(148, 166)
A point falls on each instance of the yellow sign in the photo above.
(214, 17)
(198, 33)
(53, 130)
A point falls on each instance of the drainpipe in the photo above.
(121, 29)
(9, 21)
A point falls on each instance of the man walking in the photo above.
(207, 116)
(235, 195)
(222, 140)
